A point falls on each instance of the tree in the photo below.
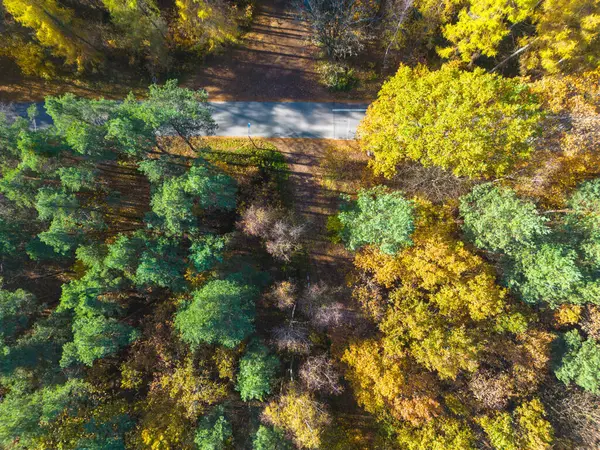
(567, 37)
(300, 415)
(221, 312)
(483, 25)
(497, 221)
(340, 26)
(439, 434)
(203, 27)
(257, 372)
(56, 27)
(171, 110)
(17, 310)
(214, 431)
(377, 217)
(281, 234)
(552, 35)
(94, 337)
(143, 29)
(579, 361)
(526, 428)
(26, 416)
(548, 274)
(582, 222)
(472, 123)
(267, 438)
(173, 201)
(207, 251)
(319, 374)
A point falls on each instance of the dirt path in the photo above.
(312, 202)
(273, 62)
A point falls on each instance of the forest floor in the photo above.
(274, 61)
(313, 203)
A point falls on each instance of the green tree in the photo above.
(214, 431)
(257, 372)
(548, 273)
(221, 312)
(472, 123)
(17, 310)
(207, 251)
(579, 361)
(267, 438)
(26, 416)
(377, 217)
(497, 221)
(95, 336)
(582, 222)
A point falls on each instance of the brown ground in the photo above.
(314, 203)
(273, 62)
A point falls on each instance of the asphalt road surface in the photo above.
(268, 119)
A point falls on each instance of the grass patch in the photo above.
(345, 168)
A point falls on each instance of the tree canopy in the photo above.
(474, 124)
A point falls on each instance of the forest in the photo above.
(432, 284)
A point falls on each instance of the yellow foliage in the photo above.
(225, 360)
(300, 415)
(202, 27)
(568, 154)
(55, 27)
(385, 384)
(568, 314)
(29, 56)
(192, 389)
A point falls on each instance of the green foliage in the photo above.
(17, 309)
(497, 221)
(475, 124)
(214, 431)
(582, 223)
(579, 361)
(377, 217)
(257, 372)
(26, 416)
(267, 438)
(173, 201)
(337, 77)
(96, 336)
(221, 312)
(207, 251)
(548, 273)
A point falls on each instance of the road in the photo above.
(270, 119)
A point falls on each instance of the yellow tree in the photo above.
(472, 123)
(143, 29)
(202, 26)
(57, 28)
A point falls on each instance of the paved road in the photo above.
(272, 119)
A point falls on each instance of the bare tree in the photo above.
(319, 374)
(292, 338)
(491, 390)
(591, 321)
(281, 234)
(333, 315)
(575, 414)
(283, 294)
(340, 26)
